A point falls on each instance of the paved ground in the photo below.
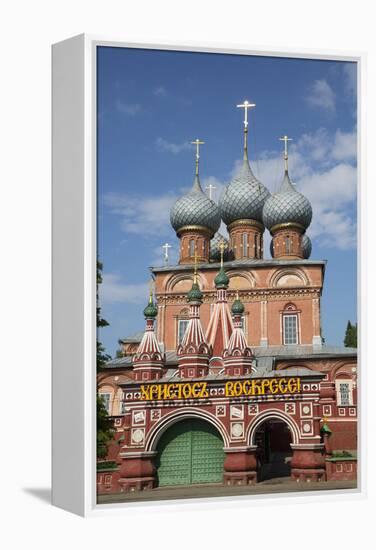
(272, 486)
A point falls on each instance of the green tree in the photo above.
(102, 357)
(105, 431)
(351, 335)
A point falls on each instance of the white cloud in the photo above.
(114, 290)
(129, 109)
(321, 95)
(321, 166)
(140, 214)
(168, 147)
(344, 146)
(160, 91)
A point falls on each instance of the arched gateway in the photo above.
(189, 452)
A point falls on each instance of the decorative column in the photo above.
(137, 471)
(308, 462)
(316, 338)
(194, 352)
(220, 325)
(148, 360)
(240, 466)
(238, 356)
(264, 323)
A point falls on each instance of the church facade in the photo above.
(231, 382)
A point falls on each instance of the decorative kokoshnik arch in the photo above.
(167, 421)
(269, 415)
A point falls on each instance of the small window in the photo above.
(290, 329)
(106, 398)
(182, 327)
(191, 248)
(288, 245)
(245, 244)
(256, 246)
(344, 393)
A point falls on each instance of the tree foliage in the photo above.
(105, 431)
(102, 356)
(351, 335)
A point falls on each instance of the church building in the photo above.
(231, 382)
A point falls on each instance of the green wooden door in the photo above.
(190, 452)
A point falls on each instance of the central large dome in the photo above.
(244, 197)
(196, 209)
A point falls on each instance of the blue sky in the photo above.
(152, 104)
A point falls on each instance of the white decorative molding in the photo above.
(236, 412)
(237, 430)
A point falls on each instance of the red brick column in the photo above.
(137, 471)
(240, 466)
(308, 462)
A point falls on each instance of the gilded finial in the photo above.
(151, 289)
(195, 268)
(286, 139)
(222, 247)
(246, 105)
(197, 142)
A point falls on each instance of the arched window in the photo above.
(290, 325)
(256, 246)
(245, 244)
(288, 245)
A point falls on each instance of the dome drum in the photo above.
(287, 244)
(246, 240)
(289, 226)
(194, 240)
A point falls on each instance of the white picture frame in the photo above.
(74, 266)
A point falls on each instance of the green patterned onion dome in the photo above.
(215, 251)
(287, 206)
(244, 197)
(151, 310)
(195, 294)
(221, 280)
(237, 307)
(306, 245)
(195, 208)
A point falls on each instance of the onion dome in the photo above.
(287, 206)
(244, 196)
(195, 208)
(306, 246)
(215, 251)
(221, 280)
(195, 294)
(151, 311)
(237, 307)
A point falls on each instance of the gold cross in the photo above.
(197, 142)
(285, 139)
(246, 105)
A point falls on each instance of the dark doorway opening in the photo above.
(273, 440)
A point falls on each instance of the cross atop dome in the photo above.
(246, 105)
(197, 142)
(286, 139)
